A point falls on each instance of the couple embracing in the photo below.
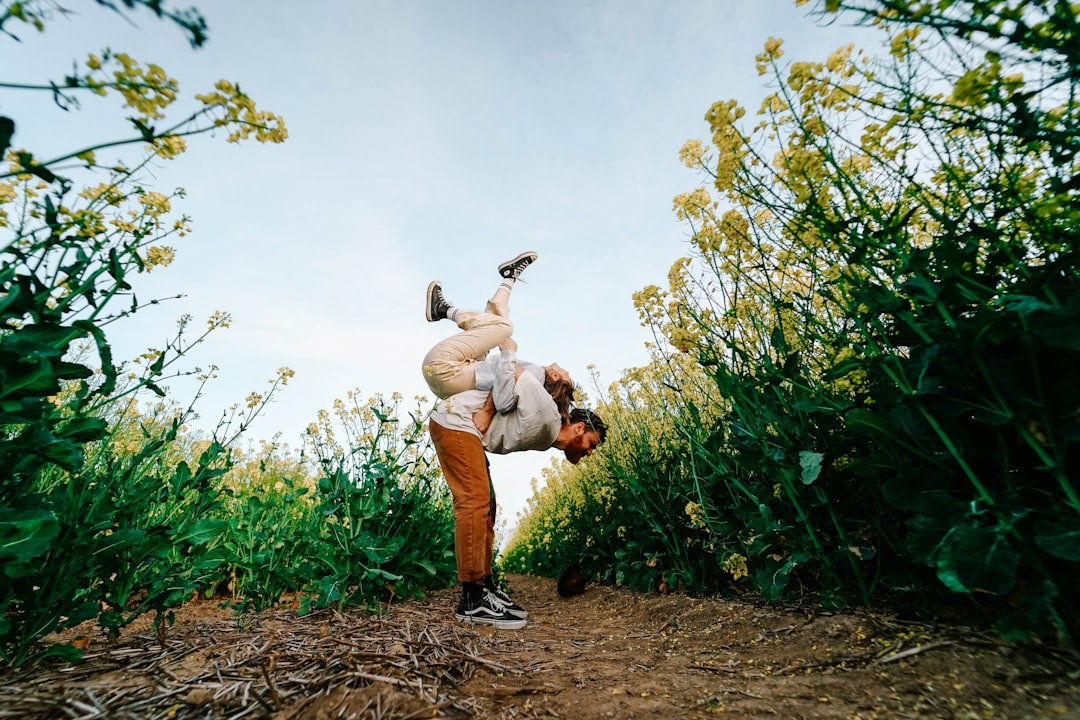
(498, 404)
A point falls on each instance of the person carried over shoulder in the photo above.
(463, 361)
(496, 404)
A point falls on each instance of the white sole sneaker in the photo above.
(502, 623)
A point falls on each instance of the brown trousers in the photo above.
(465, 467)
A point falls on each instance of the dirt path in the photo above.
(608, 653)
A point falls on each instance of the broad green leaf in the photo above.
(1025, 304)
(810, 462)
(64, 453)
(118, 541)
(43, 340)
(867, 421)
(772, 582)
(83, 429)
(427, 566)
(182, 474)
(25, 534)
(1059, 539)
(921, 289)
(33, 377)
(201, 531)
(1033, 615)
(385, 575)
(71, 371)
(64, 651)
(978, 559)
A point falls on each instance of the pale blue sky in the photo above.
(428, 140)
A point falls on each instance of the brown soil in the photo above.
(609, 653)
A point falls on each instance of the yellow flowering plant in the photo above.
(881, 285)
(76, 231)
(634, 513)
(383, 519)
(884, 241)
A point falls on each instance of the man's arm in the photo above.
(482, 417)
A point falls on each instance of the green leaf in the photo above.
(71, 371)
(1059, 328)
(1034, 613)
(385, 575)
(65, 651)
(83, 429)
(810, 406)
(978, 559)
(43, 340)
(921, 289)
(383, 417)
(201, 531)
(1059, 539)
(33, 377)
(874, 463)
(116, 270)
(26, 534)
(64, 453)
(810, 462)
(1025, 304)
(772, 582)
(867, 421)
(928, 531)
(118, 541)
(182, 474)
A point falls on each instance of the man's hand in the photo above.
(508, 344)
(482, 417)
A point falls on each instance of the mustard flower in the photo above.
(839, 58)
(696, 513)
(219, 319)
(736, 565)
(156, 203)
(902, 43)
(159, 256)
(168, 146)
(691, 153)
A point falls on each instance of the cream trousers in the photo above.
(448, 367)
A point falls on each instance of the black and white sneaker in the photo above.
(489, 610)
(514, 268)
(511, 607)
(437, 307)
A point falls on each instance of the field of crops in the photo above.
(863, 391)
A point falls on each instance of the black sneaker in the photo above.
(514, 268)
(511, 607)
(437, 307)
(489, 610)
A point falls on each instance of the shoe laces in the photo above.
(515, 269)
(495, 601)
(503, 596)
